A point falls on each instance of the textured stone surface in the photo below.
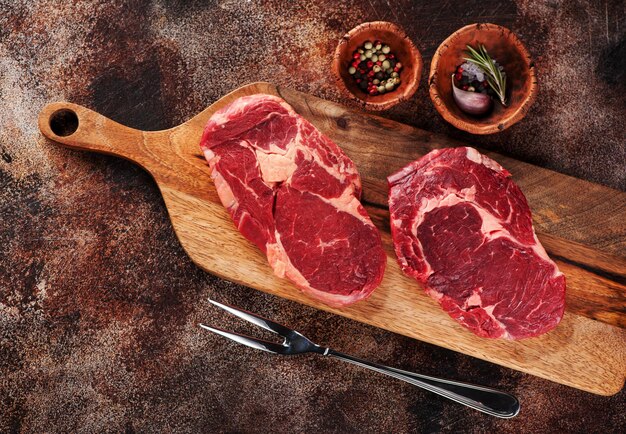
(98, 301)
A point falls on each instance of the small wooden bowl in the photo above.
(503, 46)
(404, 50)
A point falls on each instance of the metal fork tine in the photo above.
(255, 319)
(259, 344)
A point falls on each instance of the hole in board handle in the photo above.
(64, 122)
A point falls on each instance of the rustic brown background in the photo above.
(98, 301)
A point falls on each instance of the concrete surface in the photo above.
(98, 301)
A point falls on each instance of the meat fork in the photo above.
(481, 398)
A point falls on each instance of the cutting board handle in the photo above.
(78, 127)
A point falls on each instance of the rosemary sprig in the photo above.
(492, 73)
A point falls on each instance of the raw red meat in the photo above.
(463, 228)
(295, 194)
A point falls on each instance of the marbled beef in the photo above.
(463, 228)
(292, 192)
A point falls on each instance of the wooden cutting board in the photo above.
(582, 226)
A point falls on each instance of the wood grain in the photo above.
(586, 351)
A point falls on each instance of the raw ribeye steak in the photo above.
(463, 228)
(292, 192)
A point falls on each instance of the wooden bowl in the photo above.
(503, 46)
(400, 45)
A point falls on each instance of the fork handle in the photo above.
(481, 398)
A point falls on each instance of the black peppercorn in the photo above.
(372, 67)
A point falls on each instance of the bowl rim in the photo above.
(411, 87)
(496, 127)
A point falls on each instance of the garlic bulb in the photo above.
(473, 103)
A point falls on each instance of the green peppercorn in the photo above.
(380, 66)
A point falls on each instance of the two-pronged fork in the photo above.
(481, 398)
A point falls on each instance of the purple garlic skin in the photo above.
(473, 103)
